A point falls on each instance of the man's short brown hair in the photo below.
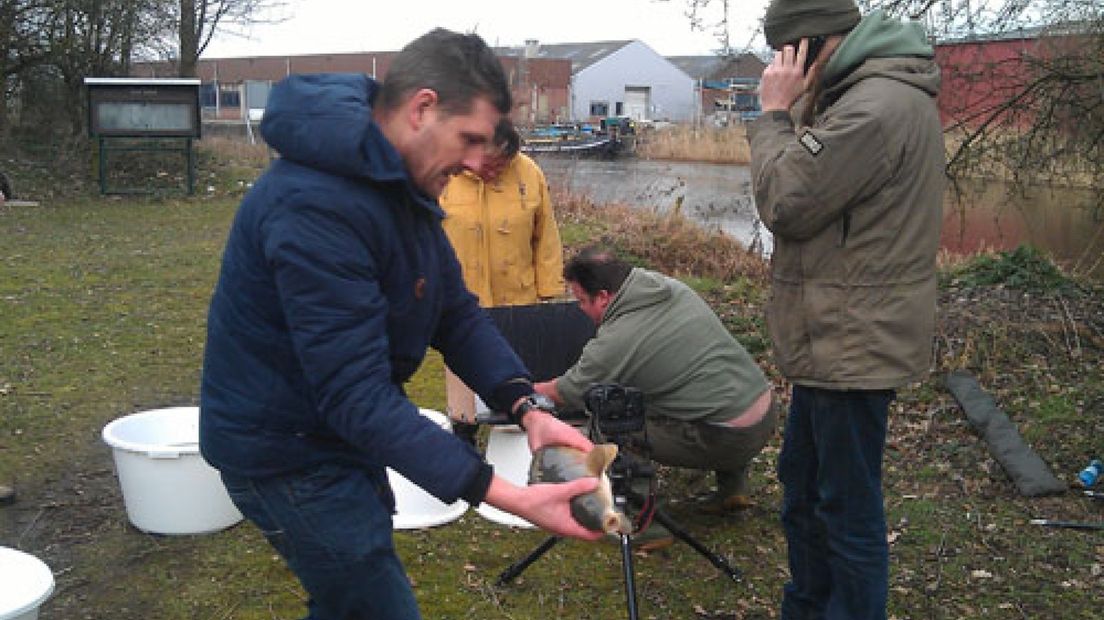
(458, 67)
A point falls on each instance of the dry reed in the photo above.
(720, 145)
(668, 242)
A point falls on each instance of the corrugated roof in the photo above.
(745, 65)
(581, 55)
(697, 67)
(1057, 29)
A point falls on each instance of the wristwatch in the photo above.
(531, 402)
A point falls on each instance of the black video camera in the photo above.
(617, 410)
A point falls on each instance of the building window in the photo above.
(599, 108)
(207, 95)
(619, 108)
(229, 97)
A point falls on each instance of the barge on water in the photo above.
(612, 138)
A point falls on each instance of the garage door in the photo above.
(636, 102)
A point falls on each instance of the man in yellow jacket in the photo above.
(502, 227)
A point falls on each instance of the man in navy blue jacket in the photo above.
(336, 277)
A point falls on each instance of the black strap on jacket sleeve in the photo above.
(480, 484)
(506, 394)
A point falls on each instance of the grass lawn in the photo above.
(102, 310)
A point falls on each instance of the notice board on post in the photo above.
(144, 114)
(140, 107)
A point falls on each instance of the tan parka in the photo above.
(855, 206)
(505, 234)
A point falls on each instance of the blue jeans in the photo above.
(332, 524)
(832, 509)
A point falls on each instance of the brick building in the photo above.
(232, 87)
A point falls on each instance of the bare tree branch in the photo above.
(200, 20)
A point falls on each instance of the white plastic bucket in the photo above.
(167, 486)
(25, 582)
(508, 451)
(414, 508)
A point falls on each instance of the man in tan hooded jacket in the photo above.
(848, 174)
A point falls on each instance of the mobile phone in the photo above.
(812, 51)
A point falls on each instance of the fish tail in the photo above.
(598, 459)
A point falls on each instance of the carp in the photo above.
(594, 510)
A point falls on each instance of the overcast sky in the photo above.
(319, 26)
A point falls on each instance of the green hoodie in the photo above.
(659, 336)
(877, 36)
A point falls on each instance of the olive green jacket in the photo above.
(855, 206)
(659, 336)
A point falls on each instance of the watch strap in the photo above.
(517, 413)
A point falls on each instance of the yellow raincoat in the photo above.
(505, 235)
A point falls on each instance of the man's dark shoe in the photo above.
(654, 538)
(727, 505)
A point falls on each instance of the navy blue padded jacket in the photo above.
(335, 278)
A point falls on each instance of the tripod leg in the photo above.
(682, 535)
(627, 567)
(515, 569)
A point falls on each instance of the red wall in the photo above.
(980, 75)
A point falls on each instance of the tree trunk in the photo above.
(189, 39)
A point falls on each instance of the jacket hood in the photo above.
(324, 121)
(883, 46)
(647, 288)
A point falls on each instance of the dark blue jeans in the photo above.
(832, 509)
(332, 525)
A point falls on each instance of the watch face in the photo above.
(542, 402)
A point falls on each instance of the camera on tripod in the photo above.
(617, 413)
(615, 409)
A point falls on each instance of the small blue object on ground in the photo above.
(1091, 474)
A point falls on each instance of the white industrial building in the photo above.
(622, 78)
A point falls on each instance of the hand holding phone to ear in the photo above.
(812, 50)
(783, 80)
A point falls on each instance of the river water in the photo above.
(718, 196)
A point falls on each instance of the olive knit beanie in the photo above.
(787, 21)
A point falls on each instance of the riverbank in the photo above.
(102, 313)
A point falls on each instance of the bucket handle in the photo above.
(163, 454)
(169, 453)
